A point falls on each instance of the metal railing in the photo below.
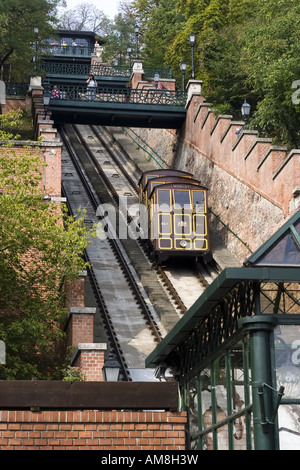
(122, 96)
(101, 70)
(16, 89)
(67, 50)
(149, 72)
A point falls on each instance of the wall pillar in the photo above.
(137, 73)
(89, 358)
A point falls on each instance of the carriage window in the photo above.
(164, 197)
(153, 185)
(198, 201)
(181, 198)
(150, 177)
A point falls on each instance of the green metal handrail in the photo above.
(149, 72)
(16, 89)
(101, 70)
(122, 96)
(67, 50)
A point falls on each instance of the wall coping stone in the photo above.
(244, 132)
(232, 123)
(259, 140)
(292, 152)
(220, 116)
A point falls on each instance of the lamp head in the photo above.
(111, 368)
(192, 38)
(245, 109)
(183, 66)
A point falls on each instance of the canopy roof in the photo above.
(268, 263)
(282, 249)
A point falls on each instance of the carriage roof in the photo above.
(162, 173)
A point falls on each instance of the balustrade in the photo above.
(122, 96)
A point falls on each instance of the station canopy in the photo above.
(276, 261)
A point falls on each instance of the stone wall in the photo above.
(253, 185)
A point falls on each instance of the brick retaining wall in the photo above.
(92, 430)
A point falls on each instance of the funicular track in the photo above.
(103, 166)
(142, 324)
(104, 174)
(196, 277)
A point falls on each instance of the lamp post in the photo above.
(111, 368)
(183, 69)
(192, 43)
(129, 55)
(156, 80)
(136, 31)
(116, 62)
(245, 110)
(46, 99)
(36, 33)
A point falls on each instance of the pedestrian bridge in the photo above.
(150, 107)
(125, 95)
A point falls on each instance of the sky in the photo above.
(109, 7)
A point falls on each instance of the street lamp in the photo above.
(129, 55)
(183, 69)
(111, 368)
(156, 80)
(46, 100)
(36, 33)
(192, 43)
(116, 62)
(245, 110)
(137, 30)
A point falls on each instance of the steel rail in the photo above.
(99, 297)
(127, 271)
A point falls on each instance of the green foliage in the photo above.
(120, 36)
(38, 254)
(18, 18)
(270, 60)
(245, 49)
(9, 122)
(73, 374)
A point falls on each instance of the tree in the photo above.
(116, 34)
(85, 17)
(270, 59)
(18, 18)
(41, 248)
(162, 25)
(121, 35)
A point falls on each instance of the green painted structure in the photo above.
(236, 356)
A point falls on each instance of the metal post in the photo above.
(129, 55)
(193, 63)
(259, 327)
(136, 30)
(192, 43)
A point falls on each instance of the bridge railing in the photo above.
(122, 96)
(67, 50)
(98, 70)
(16, 89)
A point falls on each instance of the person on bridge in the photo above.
(91, 86)
(55, 92)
